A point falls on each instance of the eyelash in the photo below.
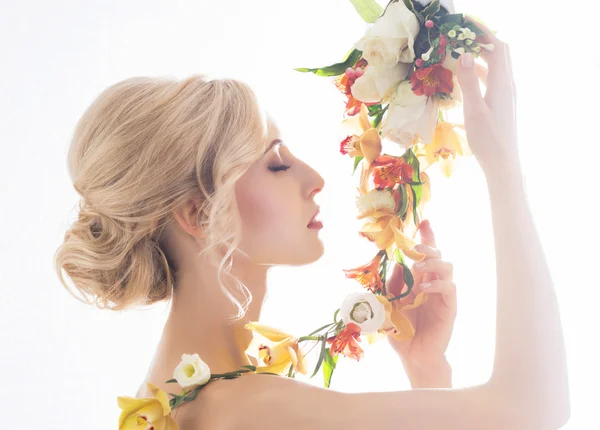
(278, 168)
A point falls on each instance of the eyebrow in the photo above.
(275, 142)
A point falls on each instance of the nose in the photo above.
(316, 183)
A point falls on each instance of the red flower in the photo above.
(389, 170)
(432, 80)
(368, 274)
(344, 84)
(346, 342)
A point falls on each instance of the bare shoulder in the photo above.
(272, 402)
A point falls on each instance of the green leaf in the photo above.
(337, 68)
(374, 109)
(398, 256)
(431, 9)
(329, 367)
(404, 202)
(253, 368)
(356, 161)
(455, 18)
(321, 357)
(409, 4)
(408, 277)
(369, 10)
(171, 380)
(319, 329)
(291, 370)
(375, 123)
(335, 316)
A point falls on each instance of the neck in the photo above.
(202, 316)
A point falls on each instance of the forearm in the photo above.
(530, 358)
(437, 375)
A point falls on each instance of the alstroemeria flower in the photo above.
(432, 80)
(385, 229)
(274, 350)
(446, 144)
(346, 342)
(363, 140)
(147, 413)
(364, 310)
(396, 324)
(389, 170)
(368, 274)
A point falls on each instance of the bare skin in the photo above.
(528, 388)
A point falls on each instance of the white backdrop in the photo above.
(62, 365)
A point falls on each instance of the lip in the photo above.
(312, 220)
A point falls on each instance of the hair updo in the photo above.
(144, 146)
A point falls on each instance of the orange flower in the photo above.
(446, 144)
(396, 324)
(389, 170)
(346, 342)
(364, 140)
(344, 84)
(432, 80)
(386, 229)
(368, 274)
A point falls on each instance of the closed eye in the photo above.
(278, 168)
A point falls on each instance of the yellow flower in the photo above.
(396, 324)
(385, 228)
(446, 144)
(147, 413)
(275, 350)
(366, 141)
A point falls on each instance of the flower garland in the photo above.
(399, 81)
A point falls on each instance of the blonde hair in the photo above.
(144, 146)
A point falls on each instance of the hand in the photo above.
(490, 120)
(433, 320)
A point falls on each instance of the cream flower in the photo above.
(375, 84)
(375, 199)
(191, 371)
(391, 38)
(410, 118)
(364, 310)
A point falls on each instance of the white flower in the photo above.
(391, 38)
(364, 310)
(452, 34)
(477, 49)
(375, 199)
(460, 50)
(375, 83)
(409, 118)
(425, 56)
(191, 371)
(461, 36)
(469, 42)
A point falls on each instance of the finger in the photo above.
(427, 236)
(446, 288)
(469, 84)
(482, 72)
(443, 269)
(429, 251)
(395, 283)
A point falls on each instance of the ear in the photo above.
(185, 215)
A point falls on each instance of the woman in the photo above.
(186, 197)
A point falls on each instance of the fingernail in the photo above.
(426, 285)
(466, 60)
(421, 264)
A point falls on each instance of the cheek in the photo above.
(261, 209)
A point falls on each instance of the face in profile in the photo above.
(275, 198)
